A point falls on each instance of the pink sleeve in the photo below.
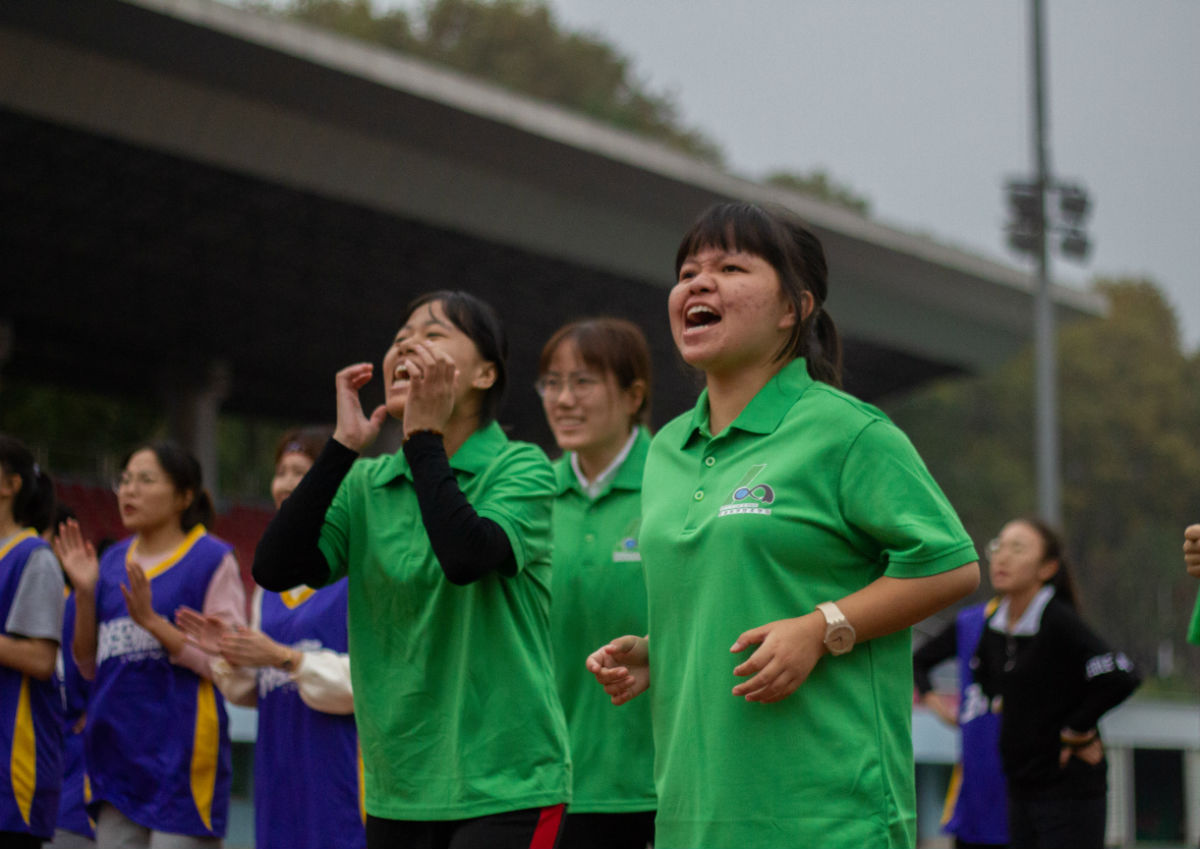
(225, 599)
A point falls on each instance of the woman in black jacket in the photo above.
(1052, 679)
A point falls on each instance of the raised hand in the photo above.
(1191, 550)
(242, 646)
(203, 632)
(77, 556)
(433, 379)
(622, 667)
(355, 429)
(788, 649)
(138, 597)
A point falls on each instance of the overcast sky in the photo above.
(923, 107)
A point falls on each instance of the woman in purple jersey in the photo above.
(31, 606)
(156, 739)
(292, 663)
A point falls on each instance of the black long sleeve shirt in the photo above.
(1059, 676)
(467, 545)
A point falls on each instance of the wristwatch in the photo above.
(839, 633)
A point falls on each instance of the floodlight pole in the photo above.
(1045, 366)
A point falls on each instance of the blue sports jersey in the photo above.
(306, 766)
(30, 735)
(978, 799)
(73, 693)
(157, 743)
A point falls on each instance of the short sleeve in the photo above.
(887, 494)
(519, 501)
(334, 541)
(37, 608)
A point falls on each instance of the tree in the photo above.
(1130, 425)
(819, 185)
(518, 44)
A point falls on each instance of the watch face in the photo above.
(840, 640)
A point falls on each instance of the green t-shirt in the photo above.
(808, 496)
(599, 593)
(453, 686)
(1193, 634)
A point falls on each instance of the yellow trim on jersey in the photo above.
(952, 793)
(172, 558)
(24, 754)
(205, 749)
(296, 596)
(362, 788)
(23, 535)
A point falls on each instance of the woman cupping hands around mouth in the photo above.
(446, 545)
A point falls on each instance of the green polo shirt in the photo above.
(453, 686)
(599, 593)
(808, 496)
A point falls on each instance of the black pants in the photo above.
(608, 831)
(532, 828)
(1056, 823)
(19, 840)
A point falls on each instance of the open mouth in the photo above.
(400, 376)
(700, 315)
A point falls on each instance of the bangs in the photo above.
(735, 227)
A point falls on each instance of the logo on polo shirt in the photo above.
(748, 496)
(626, 549)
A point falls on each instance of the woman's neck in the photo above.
(153, 542)
(459, 430)
(1019, 602)
(8, 525)
(594, 459)
(730, 392)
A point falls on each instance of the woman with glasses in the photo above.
(446, 546)
(595, 387)
(791, 536)
(292, 663)
(156, 742)
(1051, 679)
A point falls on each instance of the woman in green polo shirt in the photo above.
(791, 536)
(446, 546)
(594, 380)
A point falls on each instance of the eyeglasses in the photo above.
(997, 545)
(128, 481)
(581, 384)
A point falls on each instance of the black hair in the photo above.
(33, 506)
(797, 256)
(186, 476)
(1052, 549)
(475, 317)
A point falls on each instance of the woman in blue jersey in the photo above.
(31, 607)
(156, 741)
(446, 545)
(595, 387)
(976, 812)
(292, 663)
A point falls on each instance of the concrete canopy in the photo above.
(191, 189)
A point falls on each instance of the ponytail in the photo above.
(33, 505)
(824, 354)
(199, 512)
